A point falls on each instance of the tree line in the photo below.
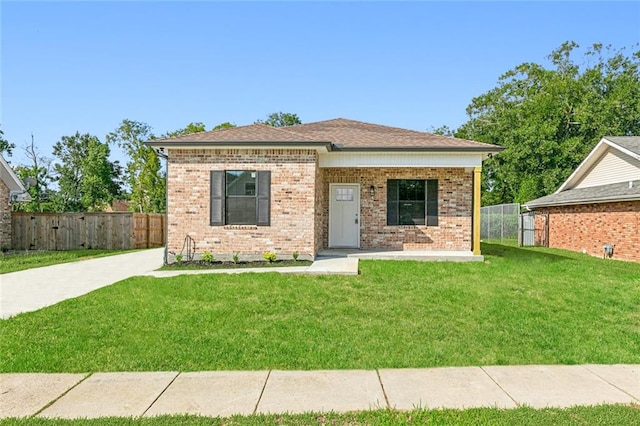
(548, 118)
(80, 177)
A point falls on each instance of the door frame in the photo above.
(331, 203)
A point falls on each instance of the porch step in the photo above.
(334, 266)
(417, 255)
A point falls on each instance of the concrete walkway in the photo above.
(33, 289)
(224, 393)
(321, 266)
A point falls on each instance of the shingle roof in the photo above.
(252, 133)
(632, 143)
(596, 194)
(341, 133)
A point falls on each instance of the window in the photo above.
(344, 194)
(412, 202)
(240, 197)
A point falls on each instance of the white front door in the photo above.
(344, 215)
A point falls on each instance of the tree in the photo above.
(225, 125)
(5, 145)
(548, 120)
(38, 169)
(143, 172)
(189, 129)
(280, 119)
(443, 130)
(87, 180)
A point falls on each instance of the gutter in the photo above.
(160, 153)
(634, 197)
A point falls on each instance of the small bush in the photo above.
(236, 257)
(295, 255)
(207, 256)
(179, 258)
(270, 256)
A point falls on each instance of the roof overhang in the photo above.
(322, 147)
(593, 157)
(633, 197)
(317, 146)
(17, 191)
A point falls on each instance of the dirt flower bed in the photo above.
(201, 264)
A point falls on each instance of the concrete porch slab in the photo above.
(23, 395)
(321, 391)
(417, 255)
(624, 377)
(447, 387)
(541, 386)
(213, 393)
(334, 266)
(111, 394)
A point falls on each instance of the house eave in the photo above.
(534, 206)
(455, 149)
(318, 146)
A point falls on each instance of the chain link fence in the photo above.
(500, 223)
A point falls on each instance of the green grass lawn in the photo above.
(599, 415)
(522, 306)
(26, 260)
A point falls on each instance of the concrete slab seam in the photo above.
(501, 388)
(255, 409)
(608, 382)
(384, 392)
(62, 394)
(160, 394)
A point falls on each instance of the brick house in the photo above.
(599, 204)
(331, 184)
(11, 190)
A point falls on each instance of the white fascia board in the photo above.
(400, 159)
(9, 177)
(244, 146)
(623, 149)
(595, 154)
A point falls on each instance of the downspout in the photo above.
(160, 153)
(475, 212)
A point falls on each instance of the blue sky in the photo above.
(86, 66)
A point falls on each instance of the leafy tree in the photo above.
(548, 119)
(38, 169)
(143, 172)
(87, 180)
(443, 130)
(189, 129)
(281, 119)
(225, 125)
(5, 145)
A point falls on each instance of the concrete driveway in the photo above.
(33, 289)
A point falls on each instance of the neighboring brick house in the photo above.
(331, 184)
(599, 204)
(11, 190)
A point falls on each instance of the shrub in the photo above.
(236, 257)
(207, 256)
(270, 256)
(295, 255)
(179, 258)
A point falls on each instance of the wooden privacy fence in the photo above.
(71, 231)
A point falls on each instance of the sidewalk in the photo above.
(224, 393)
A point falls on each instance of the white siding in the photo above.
(395, 159)
(613, 167)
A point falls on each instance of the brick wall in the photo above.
(5, 217)
(588, 227)
(293, 194)
(454, 208)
